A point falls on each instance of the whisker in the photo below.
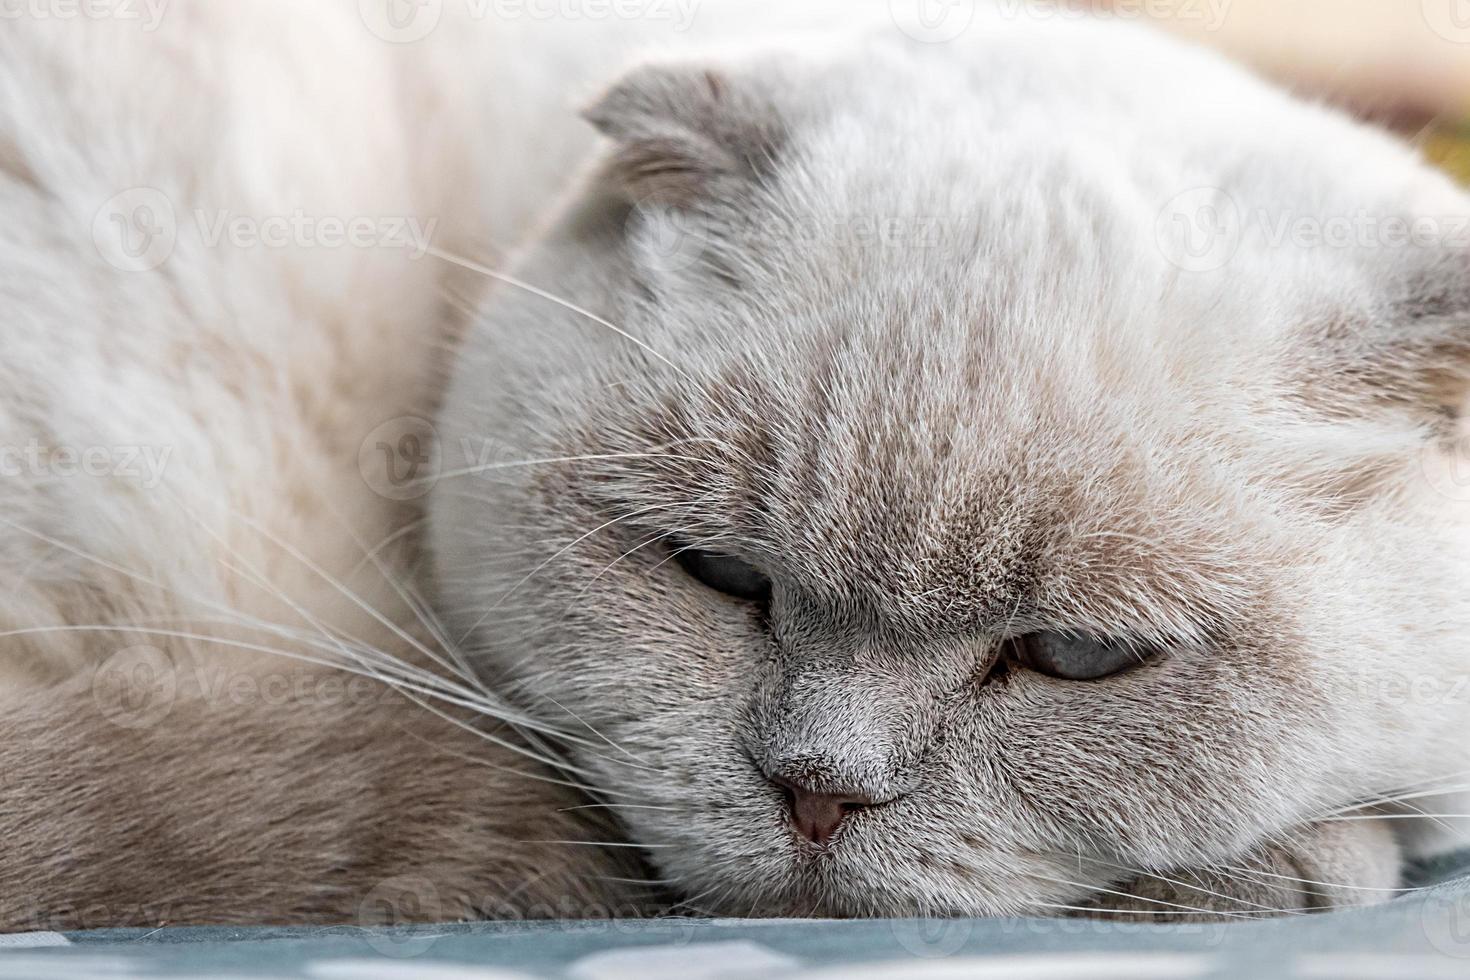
(418, 608)
(347, 593)
(644, 764)
(1412, 793)
(1198, 887)
(479, 704)
(1397, 816)
(1151, 913)
(602, 843)
(505, 596)
(391, 539)
(1137, 898)
(486, 764)
(483, 468)
(517, 283)
(1256, 872)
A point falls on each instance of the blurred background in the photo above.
(1403, 63)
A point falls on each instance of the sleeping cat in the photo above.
(902, 477)
(963, 574)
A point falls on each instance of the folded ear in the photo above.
(687, 133)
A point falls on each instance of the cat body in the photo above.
(206, 568)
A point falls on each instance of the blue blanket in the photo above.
(1424, 935)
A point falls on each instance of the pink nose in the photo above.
(816, 816)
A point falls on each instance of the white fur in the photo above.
(1192, 414)
(256, 374)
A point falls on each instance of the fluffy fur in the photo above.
(170, 751)
(1039, 416)
(892, 320)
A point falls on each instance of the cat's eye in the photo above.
(1076, 656)
(726, 573)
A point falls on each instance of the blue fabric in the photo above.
(1422, 934)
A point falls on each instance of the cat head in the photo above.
(948, 477)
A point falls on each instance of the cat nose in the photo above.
(816, 815)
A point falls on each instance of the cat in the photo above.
(992, 477)
(863, 388)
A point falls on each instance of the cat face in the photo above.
(915, 514)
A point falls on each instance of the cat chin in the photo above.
(912, 858)
(870, 884)
(1324, 867)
